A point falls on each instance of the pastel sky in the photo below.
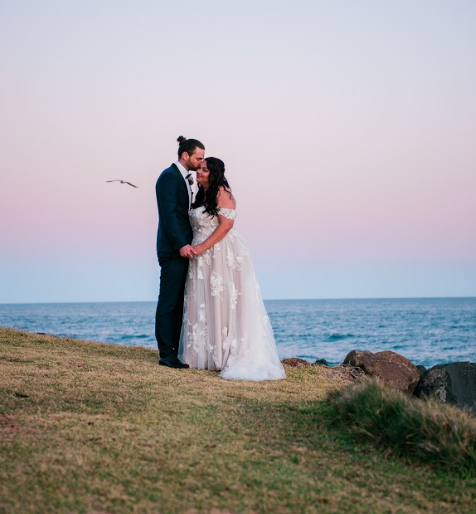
(348, 130)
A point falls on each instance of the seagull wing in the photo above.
(122, 182)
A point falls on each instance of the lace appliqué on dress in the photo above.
(230, 214)
(216, 284)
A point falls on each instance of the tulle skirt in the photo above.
(225, 324)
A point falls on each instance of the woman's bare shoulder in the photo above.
(225, 199)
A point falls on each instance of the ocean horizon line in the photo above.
(75, 302)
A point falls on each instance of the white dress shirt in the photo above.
(190, 190)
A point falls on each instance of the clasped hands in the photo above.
(189, 252)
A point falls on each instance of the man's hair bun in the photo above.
(188, 145)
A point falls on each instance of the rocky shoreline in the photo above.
(453, 383)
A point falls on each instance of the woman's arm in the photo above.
(225, 201)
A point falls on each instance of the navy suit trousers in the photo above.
(168, 319)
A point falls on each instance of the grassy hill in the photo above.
(95, 428)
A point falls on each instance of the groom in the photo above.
(174, 198)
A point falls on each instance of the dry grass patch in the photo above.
(103, 428)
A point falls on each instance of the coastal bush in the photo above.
(427, 430)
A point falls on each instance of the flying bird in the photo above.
(122, 182)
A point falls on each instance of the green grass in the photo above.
(431, 432)
(95, 428)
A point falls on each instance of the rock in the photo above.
(394, 369)
(321, 362)
(350, 373)
(294, 362)
(453, 383)
(421, 369)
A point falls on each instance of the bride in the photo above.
(225, 324)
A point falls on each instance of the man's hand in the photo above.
(187, 252)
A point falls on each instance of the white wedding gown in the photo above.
(225, 324)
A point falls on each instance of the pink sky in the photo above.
(347, 130)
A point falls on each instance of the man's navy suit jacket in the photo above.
(172, 201)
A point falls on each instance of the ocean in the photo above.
(427, 331)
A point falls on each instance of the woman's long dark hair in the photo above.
(216, 180)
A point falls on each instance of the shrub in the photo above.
(427, 430)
